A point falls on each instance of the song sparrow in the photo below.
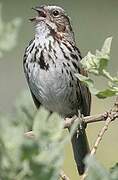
(50, 63)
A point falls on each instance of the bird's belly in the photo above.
(52, 89)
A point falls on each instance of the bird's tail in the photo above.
(80, 149)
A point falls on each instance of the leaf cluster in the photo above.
(25, 158)
(8, 33)
(97, 65)
(97, 172)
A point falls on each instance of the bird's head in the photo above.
(55, 18)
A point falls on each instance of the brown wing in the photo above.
(85, 100)
(84, 91)
(86, 95)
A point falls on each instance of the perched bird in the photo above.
(50, 63)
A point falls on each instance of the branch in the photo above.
(88, 119)
(29, 134)
(63, 176)
(112, 115)
(69, 121)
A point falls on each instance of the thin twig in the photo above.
(96, 118)
(101, 133)
(63, 176)
(88, 119)
(69, 121)
(112, 115)
(29, 134)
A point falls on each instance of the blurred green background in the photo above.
(93, 21)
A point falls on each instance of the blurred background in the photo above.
(93, 21)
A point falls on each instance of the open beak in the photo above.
(41, 13)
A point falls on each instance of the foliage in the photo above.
(97, 65)
(8, 33)
(25, 158)
(98, 172)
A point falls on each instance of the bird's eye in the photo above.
(55, 13)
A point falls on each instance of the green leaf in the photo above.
(114, 172)
(90, 63)
(29, 148)
(106, 93)
(40, 157)
(103, 63)
(25, 109)
(85, 79)
(8, 33)
(46, 125)
(8, 39)
(109, 92)
(88, 82)
(107, 46)
(96, 63)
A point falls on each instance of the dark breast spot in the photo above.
(55, 54)
(64, 54)
(67, 71)
(42, 63)
(45, 48)
(40, 47)
(78, 52)
(37, 49)
(26, 65)
(50, 58)
(75, 65)
(74, 56)
(68, 64)
(68, 47)
(24, 58)
(71, 85)
(35, 54)
(64, 64)
(50, 46)
(31, 42)
(32, 48)
(71, 75)
(76, 49)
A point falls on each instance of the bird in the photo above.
(50, 63)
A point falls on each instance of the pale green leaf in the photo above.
(114, 172)
(88, 82)
(103, 63)
(90, 63)
(106, 93)
(107, 46)
(95, 170)
(8, 33)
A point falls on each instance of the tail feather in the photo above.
(80, 149)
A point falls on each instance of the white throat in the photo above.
(41, 29)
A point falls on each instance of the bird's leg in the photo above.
(82, 125)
